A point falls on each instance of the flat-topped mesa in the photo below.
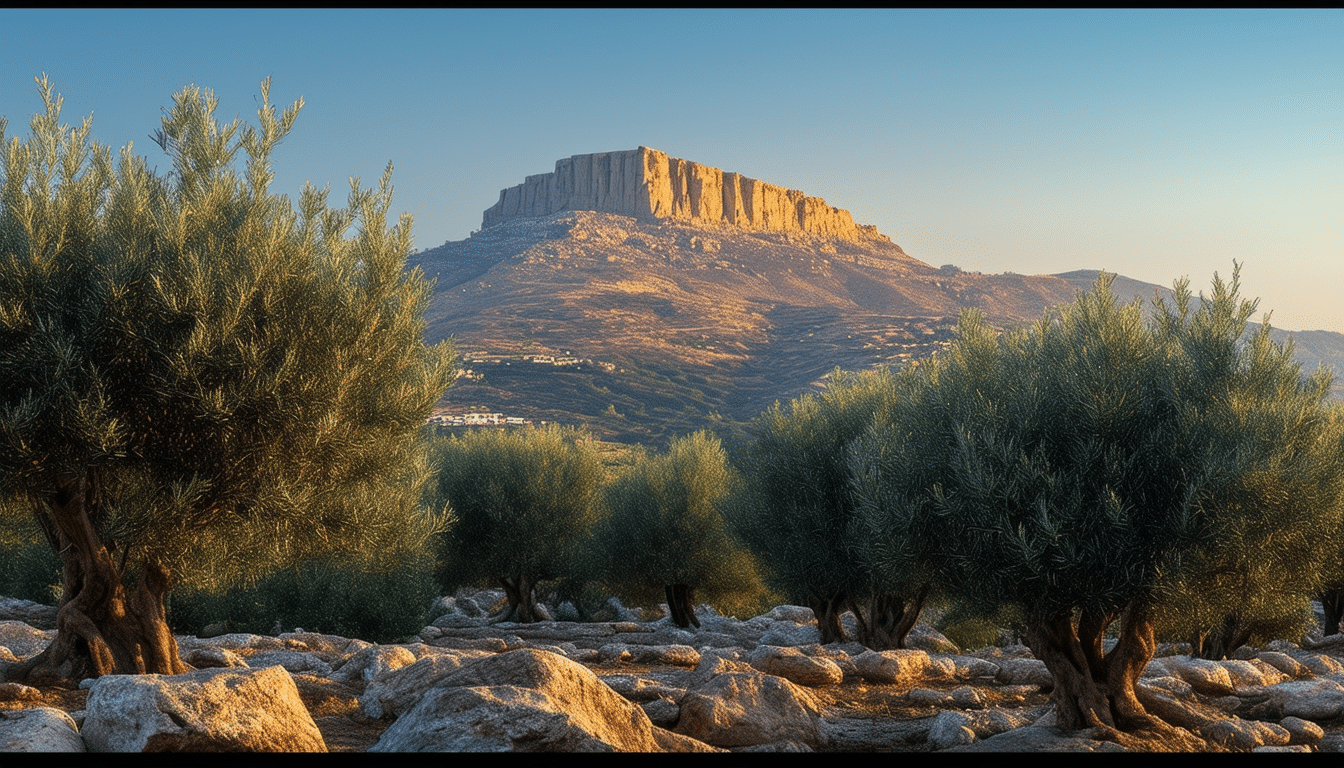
(649, 185)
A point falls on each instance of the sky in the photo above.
(1157, 144)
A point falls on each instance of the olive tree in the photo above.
(666, 530)
(523, 501)
(1098, 468)
(198, 383)
(798, 511)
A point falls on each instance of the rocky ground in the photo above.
(765, 684)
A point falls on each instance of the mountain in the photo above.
(645, 296)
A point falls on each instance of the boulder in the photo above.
(1245, 735)
(902, 667)
(1207, 677)
(399, 690)
(793, 665)
(925, 638)
(798, 614)
(739, 709)
(663, 713)
(525, 700)
(213, 658)
(1303, 731)
(33, 614)
(1024, 672)
(1285, 663)
(374, 662)
(209, 710)
(1038, 738)
(785, 633)
(1318, 699)
(23, 640)
(41, 729)
(1252, 673)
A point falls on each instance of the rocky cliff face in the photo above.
(649, 185)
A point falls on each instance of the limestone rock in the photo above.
(207, 710)
(524, 700)
(374, 662)
(798, 614)
(648, 185)
(792, 665)
(1251, 673)
(739, 709)
(925, 638)
(399, 690)
(33, 614)
(664, 655)
(950, 729)
(213, 658)
(1207, 677)
(23, 640)
(1024, 672)
(1037, 738)
(41, 729)
(1284, 663)
(1303, 731)
(663, 713)
(1245, 735)
(902, 666)
(1317, 700)
(784, 633)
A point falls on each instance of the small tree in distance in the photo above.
(523, 502)
(666, 532)
(197, 383)
(797, 513)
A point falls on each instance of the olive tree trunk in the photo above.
(1092, 687)
(828, 610)
(100, 629)
(1332, 600)
(681, 605)
(1219, 643)
(520, 590)
(885, 620)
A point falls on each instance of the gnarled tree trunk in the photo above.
(886, 620)
(520, 591)
(681, 605)
(828, 610)
(1220, 642)
(100, 630)
(1332, 600)
(1094, 688)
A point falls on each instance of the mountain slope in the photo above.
(644, 330)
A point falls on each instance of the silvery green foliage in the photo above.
(666, 526)
(522, 500)
(241, 382)
(1098, 460)
(797, 510)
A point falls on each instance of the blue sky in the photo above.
(1151, 143)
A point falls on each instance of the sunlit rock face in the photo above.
(649, 185)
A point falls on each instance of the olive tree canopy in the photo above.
(1097, 467)
(197, 382)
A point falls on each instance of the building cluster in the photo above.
(479, 419)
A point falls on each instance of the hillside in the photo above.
(675, 316)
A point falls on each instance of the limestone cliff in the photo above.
(649, 185)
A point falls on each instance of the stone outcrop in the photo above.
(648, 185)
(209, 710)
(634, 685)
